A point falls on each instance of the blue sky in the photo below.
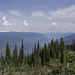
(37, 16)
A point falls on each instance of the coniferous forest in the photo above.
(55, 58)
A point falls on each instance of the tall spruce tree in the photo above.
(57, 48)
(62, 50)
(34, 60)
(73, 45)
(7, 55)
(21, 53)
(2, 58)
(43, 60)
(47, 53)
(38, 47)
(35, 51)
(52, 48)
(15, 55)
(34, 55)
(28, 60)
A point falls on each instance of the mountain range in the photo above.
(30, 38)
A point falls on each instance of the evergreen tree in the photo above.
(21, 53)
(57, 49)
(52, 48)
(35, 56)
(43, 60)
(62, 50)
(25, 60)
(34, 60)
(35, 48)
(7, 55)
(47, 53)
(32, 57)
(28, 58)
(15, 55)
(38, 46)
(2, 58)
(73, 45)
(38, 61)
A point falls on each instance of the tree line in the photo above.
(39, 57)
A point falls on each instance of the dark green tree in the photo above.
(62, 46)
(21, 53)
(15, 55)
(28, 61)
(2, 58)
(35, 51)
(47, 53)
(32, 57)
(7, 55)
(52, 48)
(34, 60)
(38, 47)
(57, 48)
(43, 60)
(73, 45)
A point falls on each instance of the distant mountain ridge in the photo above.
(30, 38)
(69, 39)
(56, 35)
(15, 37)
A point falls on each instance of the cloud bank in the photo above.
(63, 13)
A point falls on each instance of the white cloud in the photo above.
(38, 14)
(63, 13)
(5, 22)
(15, 13)
(53, 23)
(4, 18)
(25, 23)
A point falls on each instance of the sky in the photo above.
(42, 16)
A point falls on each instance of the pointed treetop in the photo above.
(22, 44)
(35, 48)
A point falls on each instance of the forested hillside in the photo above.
(15, 37)
(52, 59)
(30, 38)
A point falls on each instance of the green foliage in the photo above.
(47, 53)
(57, 49)
(43, 60)
(52, 60)
(2, 58)
(15, 55)
(21, 53)
(73, 45)
(35, 49)
(52, 48)
(38, 47)
(7, 55)
(62, 50)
